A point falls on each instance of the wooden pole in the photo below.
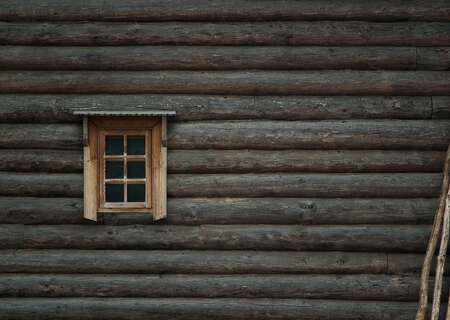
(423, 299)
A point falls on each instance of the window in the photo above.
(124, 163)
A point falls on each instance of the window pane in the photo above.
(114, 192)
(136, 192)
(136, 169)
(114, 169)
(136, 145)
(114, 145)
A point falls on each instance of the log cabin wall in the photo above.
(304, 160)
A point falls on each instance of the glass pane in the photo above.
(136, 192)
(114, 169)
(136, 145)
(136, 169)
(114, 192)
(114, 145)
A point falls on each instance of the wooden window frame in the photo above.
(95, 130)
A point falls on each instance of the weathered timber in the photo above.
(441, 107)
(310, 135)
(343, 82)
(206, 58)
(41, 160)
(41, 185)
(375, 185)
(197, 211)
(194, 262)
(342, 287)
(59, 108)
(217, 10)
(245, 161)
(275, 33)
(266, 135)
(55, 136)
(254, 161)
(396, 238)
(195, 308)
(436, 58)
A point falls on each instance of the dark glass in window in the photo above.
(114, 192)
(136, 145)
(114, 169)
(136, 192)
(136, 169)
(114, 145)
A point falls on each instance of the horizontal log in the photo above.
(206, 58)
(398, 238)
(341, 82)
(197, 211)
(41, 185)
(55, 136)
(194, 262)
(310, 135)
(275, 33)
(392, 185)
(59, 108)
(245, 161)
(441, 107)
(217, 309)
(266, 135)
(437, 58)
(342, 287)
(236, 10)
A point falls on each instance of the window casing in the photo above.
(125, 165)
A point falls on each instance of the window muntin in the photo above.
(125, 169)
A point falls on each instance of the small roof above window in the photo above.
(130, 113)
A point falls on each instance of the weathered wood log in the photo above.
(305, 185)
(342, 287)
(437, 58)
(197, 211)
(245, 161)
(398, 238)
(310, 135)
(230, 82)
(200, 33)
(206, 58)
(266, 135)
(195, 262)
(236, 10)
(41, 160)
(214, 309)
(376, 185)
(59, 108)
(41, 185)
(441, 107)
(55, 136)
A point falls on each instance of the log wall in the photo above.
(304, 161)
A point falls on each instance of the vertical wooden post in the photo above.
(160, 169)
(90, 194)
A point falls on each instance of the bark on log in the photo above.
(206, 58)
(276, 33)
(433, 58)
(245, 161)
(342, 82)
(195, 262)
(197, 211)
(342, 287)
(218, 237)
(441, 107)
(59, 108)
(265, 135)
(236, 10)
(214, 309)
(393, 185)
